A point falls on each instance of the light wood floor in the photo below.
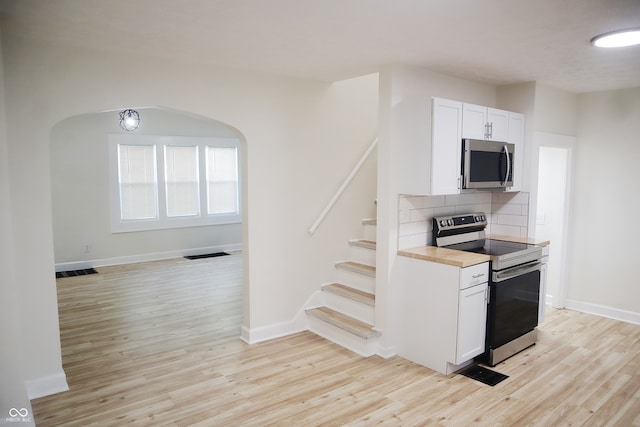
(157, 344)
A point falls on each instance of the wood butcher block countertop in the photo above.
(462, 258)
(445, 256)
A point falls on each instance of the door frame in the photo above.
(546, 139)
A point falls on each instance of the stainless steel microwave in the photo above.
(487, 164)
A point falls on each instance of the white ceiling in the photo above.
(492, 41)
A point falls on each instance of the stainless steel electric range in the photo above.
(514, 288)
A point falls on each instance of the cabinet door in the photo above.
(498, 121)
(472, 318)
(446, 146)
(474, 121)
(516, 136)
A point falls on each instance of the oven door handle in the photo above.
(510, 273)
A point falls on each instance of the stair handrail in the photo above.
(343, 187)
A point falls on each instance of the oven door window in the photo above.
(513, 309)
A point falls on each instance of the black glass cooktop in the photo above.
(492, 247)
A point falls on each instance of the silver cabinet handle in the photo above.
(477, 276)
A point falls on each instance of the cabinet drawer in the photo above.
(474, 275)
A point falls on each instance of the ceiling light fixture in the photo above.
(129, 120)
(619, 38)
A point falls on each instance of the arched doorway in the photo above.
(80, 167)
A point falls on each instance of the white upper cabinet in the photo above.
(474, 124)
(484, 123)
(446, 146)
(453, 121)
(498, 125)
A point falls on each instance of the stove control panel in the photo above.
(453, 222)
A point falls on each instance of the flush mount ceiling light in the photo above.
(619, 38)
(129, 120)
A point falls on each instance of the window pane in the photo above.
(181, 175)
(137, 181)
(222, 180)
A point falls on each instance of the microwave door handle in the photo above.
(506, 176)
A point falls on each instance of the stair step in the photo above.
(344, 322)
(351, 293)
(361, 243)
(356, 267)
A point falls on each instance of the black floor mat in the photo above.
(206, 255)
(72, 273)
(484, 375)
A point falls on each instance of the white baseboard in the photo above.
(299, 323)
(387, 352)
(269, 332)
(604, 311)
(47, 385)
(154, 256)
(548, 299)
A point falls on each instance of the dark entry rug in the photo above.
(206, 255)
(484, 375)
(72, 273)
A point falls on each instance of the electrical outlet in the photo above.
(87, 249)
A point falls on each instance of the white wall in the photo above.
(302, 139)
(604, 254)
(80, 192)
(520, 98)
(600, 257)
(555, 110)
(12, 388)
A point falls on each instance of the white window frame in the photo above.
(118, 225)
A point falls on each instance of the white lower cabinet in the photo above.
(443, 313)
(472, 307)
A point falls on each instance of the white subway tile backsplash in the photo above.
(433, 201)
(418, 227)
(413, 241)
(410, 202)
(509, 230)
(482, 207)
(451, 199)
(421, 215)
(474, 198)
(444, 210)
(404, 216)
(507, 214)
(508, 198)
(509, 209)
(517, 220)
(505, 230)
